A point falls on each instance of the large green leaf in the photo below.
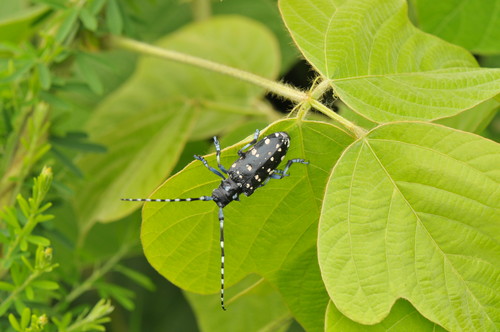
(146, 122)
(474, 25)
(403, 318)
(474, 120)
(411, 211)
(142, 150)
(266, 12)
(258, 307)
(272, 233)
(231, 40)
(383, 67)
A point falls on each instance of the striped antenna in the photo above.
(221, 225)
(202, 198)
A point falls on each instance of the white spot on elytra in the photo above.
(282, 157)
(249, 167)
(272, 158)
(269, 170)
(258, 155)
(267, 141)
(248, 185)
(277, 146)
(254, 152)
(234, 165)
(279, 150)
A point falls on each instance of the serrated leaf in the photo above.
(277, 225)
(383, 67)
(411, 211)
(403, 317)
(452, 21)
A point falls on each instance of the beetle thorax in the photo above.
(227, 192)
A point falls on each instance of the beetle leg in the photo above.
(255, 138)
(280, 174)
(217, 152)
(213, 170)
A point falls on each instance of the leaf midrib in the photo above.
(366, 142)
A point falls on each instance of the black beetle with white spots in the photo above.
(253, 169)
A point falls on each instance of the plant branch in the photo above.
(356, 130)
(96, 274)
(270, 85)
(280, 89)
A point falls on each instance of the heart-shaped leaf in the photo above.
(258, 307)
(146, 123)
(411, 211)
(137, 159)
(383, 67)
(403, 317)
(475, 119)
(268, 233)
(452, 21)
(230, 40)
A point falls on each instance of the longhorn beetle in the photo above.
(252, 170)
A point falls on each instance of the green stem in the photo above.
(98, 273)
(6, 303)
(357, 131)
(320, 89)
(270, 85)
(27, 229)
(245, 291)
